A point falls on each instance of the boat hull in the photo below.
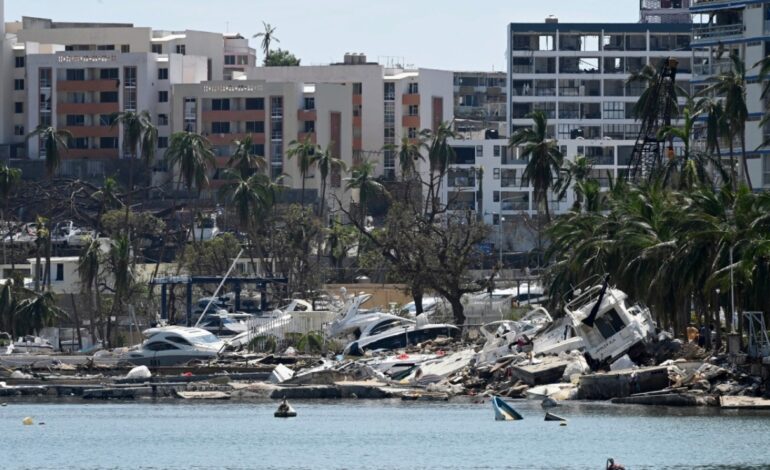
(504, 411)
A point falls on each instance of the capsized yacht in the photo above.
(402, 335)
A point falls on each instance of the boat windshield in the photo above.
(204, 338)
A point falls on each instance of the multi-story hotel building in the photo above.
(388, 103)
(724, 27)
(274, 114)
(480, 102)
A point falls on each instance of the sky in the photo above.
(444, 34)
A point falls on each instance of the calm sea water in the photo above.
(376, 435)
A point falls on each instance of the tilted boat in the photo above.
(172, 345)
(504, 411)
(402, 336)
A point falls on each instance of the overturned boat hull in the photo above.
(504, 411)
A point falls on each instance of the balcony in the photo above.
(227, 139)
(87, 85)
(301, 136)
(716, 68)
(93, 131)
(90, 153)
(306, 114)
(87, 108)
(717, 32)
(410, 99)
(233, 116)
(410, 121)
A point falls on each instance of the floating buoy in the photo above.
(27, 421)
(285, 410)
(563, 423)
(4, 404)
(41, 423)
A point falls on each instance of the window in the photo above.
(358, 88)
(108, 142)
(163, 74)
(389, 91)
(412, 132)
(125, 48)
(59, 272)
(181, 49)
(258, 149)
(496, 151)
(390, 113)
(105, 47)
(255, 127)
(162, 142)
(243, 60)
(220, 104)
(157, 48)
(479, 151)
(108, 74)
(309, 127)
(413, 88)
(309, 103)
(76, 120)
(178, 340)
(18, 130)
(18, 107)
(163, 119)
(414, 110)
(255, 103)
(79, 143)
(19, 62)
(18, 84)
(160, 346)
(220, 127)
(75, 74)
(614, 110)
(389, 133)
(163, 97)
(108, 97)
(229, 60)
(496, 194)
(496, 176)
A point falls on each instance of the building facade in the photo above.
(722, 28)
(480, 103)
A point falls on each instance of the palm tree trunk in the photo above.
(743, 159)
(321, 206)
(733, 175)
(302, 193)
(547, 210)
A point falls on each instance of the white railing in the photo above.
(720, 31)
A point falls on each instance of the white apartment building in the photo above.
(388, 102)
(274, 114)
(720, 28)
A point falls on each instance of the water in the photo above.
(376, 435)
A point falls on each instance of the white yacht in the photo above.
(32, 345)
(205, 229)
(172, 345)
(401, 336)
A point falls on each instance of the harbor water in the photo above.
(362, 434)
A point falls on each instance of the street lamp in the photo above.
(500, 225)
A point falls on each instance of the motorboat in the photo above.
(353, 320)
(172, 345)
(68, 234)
(205, 229)
(429, 306)
(402, 336)
(223, 323)
(502, 334)
(31, 344)
(26, 235)
(504, 411)
(608, 326)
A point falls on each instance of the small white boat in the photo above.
(172, 345)
(504, 411)
(32, 345)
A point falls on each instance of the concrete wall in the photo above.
(6, 68)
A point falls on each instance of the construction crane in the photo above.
(647, 155)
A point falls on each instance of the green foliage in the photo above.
(280, 58)
(669, 249)
(210, 258)
(54, 143)
(267, 344)
(142, 224)
(311, 342)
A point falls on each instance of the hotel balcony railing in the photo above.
(718, 31)
(697, 3)
(715, 68)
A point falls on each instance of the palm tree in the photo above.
(648, 99)
(362, 179)
(192, 154)
(37, 312)
(304, 151)
(55, 145)
(440, 156)
(244, 160)
(409, 153)
(731, 86)
(8, 308)
(9, 181)
(327, 163)
(141, 136)
(717, 128)
(107, 198)
(121, 266)
(268, 36)
(576, 172)
(545, 158)
(88, 271)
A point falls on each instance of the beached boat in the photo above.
(504, 411)
(172, 345)
(402, 336)
(32, 345)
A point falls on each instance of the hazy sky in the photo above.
(448, 34)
